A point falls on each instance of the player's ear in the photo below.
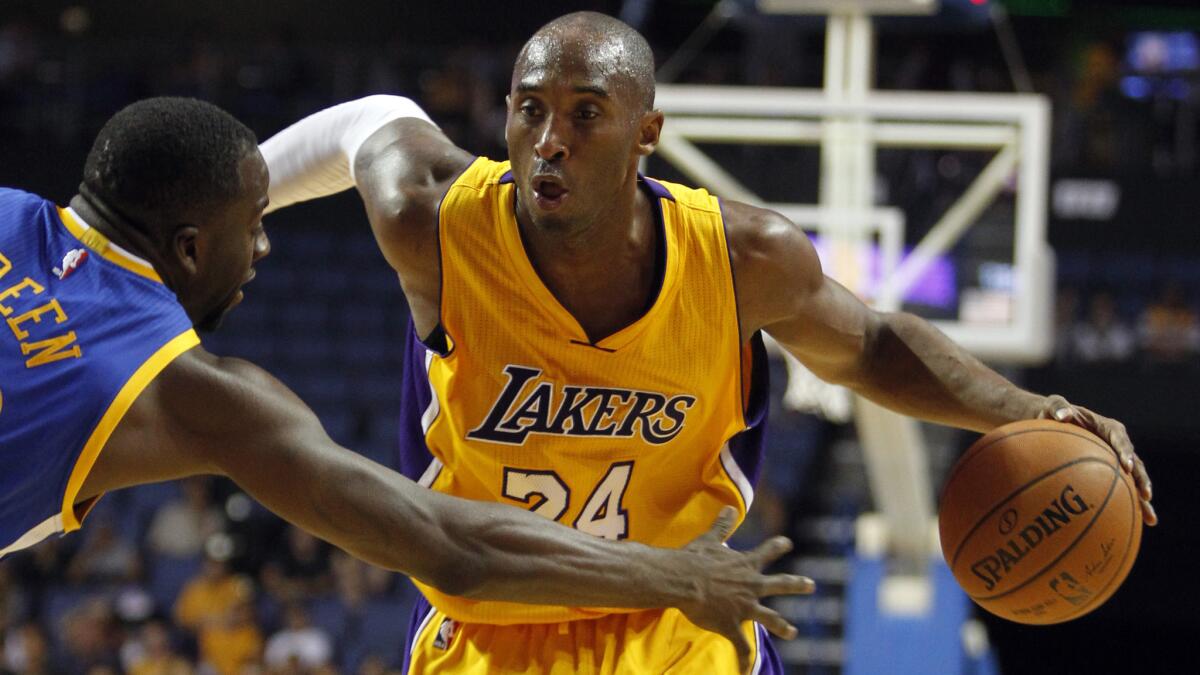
(184, 248)
(649, 132)
(508, 113)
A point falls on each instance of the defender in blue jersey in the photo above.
(103, 385)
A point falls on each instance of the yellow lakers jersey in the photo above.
(627, 437)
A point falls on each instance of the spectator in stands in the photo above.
(1102, 336)
(19, 51)
(209, 597)
(92, 636)
(355, 581)
(105, 556)
(300, 570)
(1169, 328)
(1066, 306)
(150, 652)
(1098, 127)
(12, 602)
(234, 643)
(299, 647)
(181, 527)
(27, 651)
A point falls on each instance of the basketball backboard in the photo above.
(887, 7)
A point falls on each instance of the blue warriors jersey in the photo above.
(86, 326)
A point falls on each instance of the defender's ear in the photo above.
(184, 248)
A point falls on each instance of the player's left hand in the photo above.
(1058, 408)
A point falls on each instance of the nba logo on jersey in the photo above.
(70, 262)
(445, 634)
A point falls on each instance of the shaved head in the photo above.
(609, 45)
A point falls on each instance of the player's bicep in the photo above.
(829, 332)
(245, 424)
(782, 290)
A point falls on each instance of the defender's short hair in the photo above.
(164, 156)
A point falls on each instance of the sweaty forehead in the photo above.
(571, 58)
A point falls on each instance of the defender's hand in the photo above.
(730, 584)
(1112, 431)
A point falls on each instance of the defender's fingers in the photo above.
(722, 527)
(786, 584)
(774, 622)
(769, 551)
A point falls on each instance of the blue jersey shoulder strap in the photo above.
(86, 326)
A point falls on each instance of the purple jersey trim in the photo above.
(416, 620)
(413, 455)
(749, 445)
(769, 662)
(656, 188)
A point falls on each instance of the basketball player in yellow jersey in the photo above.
(588, 339)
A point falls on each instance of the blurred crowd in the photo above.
(192, 577)
(1094, 328)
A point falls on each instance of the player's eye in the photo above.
(587, 114)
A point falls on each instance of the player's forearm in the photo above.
(514, 555)
(912, 367)
(488, 551)
(314, 157)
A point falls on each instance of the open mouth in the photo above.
(549, 192)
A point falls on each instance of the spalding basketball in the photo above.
(1039, 523)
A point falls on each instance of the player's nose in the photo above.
(551, 143)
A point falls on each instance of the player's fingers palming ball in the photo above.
(1039, 523)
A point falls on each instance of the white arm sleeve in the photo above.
(315, 156)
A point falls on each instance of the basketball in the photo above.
(1039, 523)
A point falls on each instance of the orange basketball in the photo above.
(1039, 523)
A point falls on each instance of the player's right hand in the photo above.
(730, 585)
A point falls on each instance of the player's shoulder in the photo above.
(774, 262)
(204, 396)
(11, 195)
(201, 375)
(15, 201)
(761, 235)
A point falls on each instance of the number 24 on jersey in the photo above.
(545, 493)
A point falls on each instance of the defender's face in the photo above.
(572, 132)
(232, 241)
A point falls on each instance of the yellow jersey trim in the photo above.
(92, 238)
(116, 411)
